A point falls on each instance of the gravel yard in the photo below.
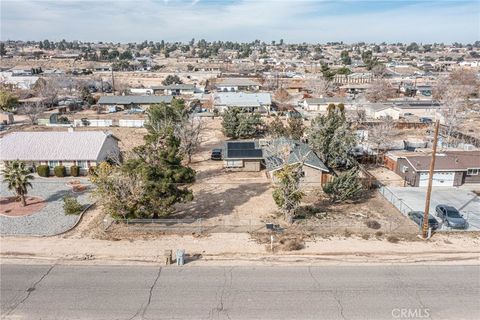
(49, 220)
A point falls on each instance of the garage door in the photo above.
(440, 179)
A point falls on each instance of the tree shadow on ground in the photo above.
(210, 203)
(57, 195)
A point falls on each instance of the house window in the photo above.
(234, 163)
(53, 164)
(473, 171)
(82, 164)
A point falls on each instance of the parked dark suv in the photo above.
(417, 217)
(451, 217)
(216, 154)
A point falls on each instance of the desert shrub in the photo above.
(292, 245)
(74, 171)
(365, 236)
(373, 224)
(91, 170)
(71, 205)
(392, 239)
(379, 233)
(60, 171)
(43, 170)
(347, 233)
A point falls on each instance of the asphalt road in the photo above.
(139, 292)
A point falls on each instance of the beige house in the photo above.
(81, 148)
(282, 151)
(380, 110)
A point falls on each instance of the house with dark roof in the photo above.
(133, 101)
(242, 156)
(282, 151)
(451, 169)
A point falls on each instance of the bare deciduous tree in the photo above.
(48, 89)
(33, 111)
(380, 90)
(381, 136)
(319, 86)
(189, 132)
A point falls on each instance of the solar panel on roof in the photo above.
(240, 145)
(246, 153)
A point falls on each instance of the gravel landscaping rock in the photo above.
(50, 220)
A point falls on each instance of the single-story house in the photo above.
(451, 169)
(175, 89)
(321, 104)
(381, 110)
(425, 108)
(242, 156)
(252, 102)
(282, 151)
(133, 101)
(82, 148)
(21, 82)
(236, 84)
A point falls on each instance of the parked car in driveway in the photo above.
(451, 217)
(216, 154)
(417, 217)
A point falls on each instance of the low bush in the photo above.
(379, 233)
(43, 170)
(74, 171)
(292, 245)
(60, 171)
(347, 233)
(71, 205)
(365, 236)
(373, 224)
(392, 239)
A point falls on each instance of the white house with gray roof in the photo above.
(236, 84)
(321, 104)
(82, 148)
(251, 102)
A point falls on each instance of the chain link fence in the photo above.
(393, 199)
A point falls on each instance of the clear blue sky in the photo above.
(242, 20)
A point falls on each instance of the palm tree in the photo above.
(18, 177)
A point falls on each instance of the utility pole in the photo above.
(113, 80)
(430, 178)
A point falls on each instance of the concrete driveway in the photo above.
(465, 201)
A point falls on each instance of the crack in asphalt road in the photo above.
(143, 308)
(151, 292)
(334, 293)
(31, 289)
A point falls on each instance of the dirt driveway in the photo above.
(226, 197)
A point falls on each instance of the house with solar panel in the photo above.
(282, 151)
(242, 156)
